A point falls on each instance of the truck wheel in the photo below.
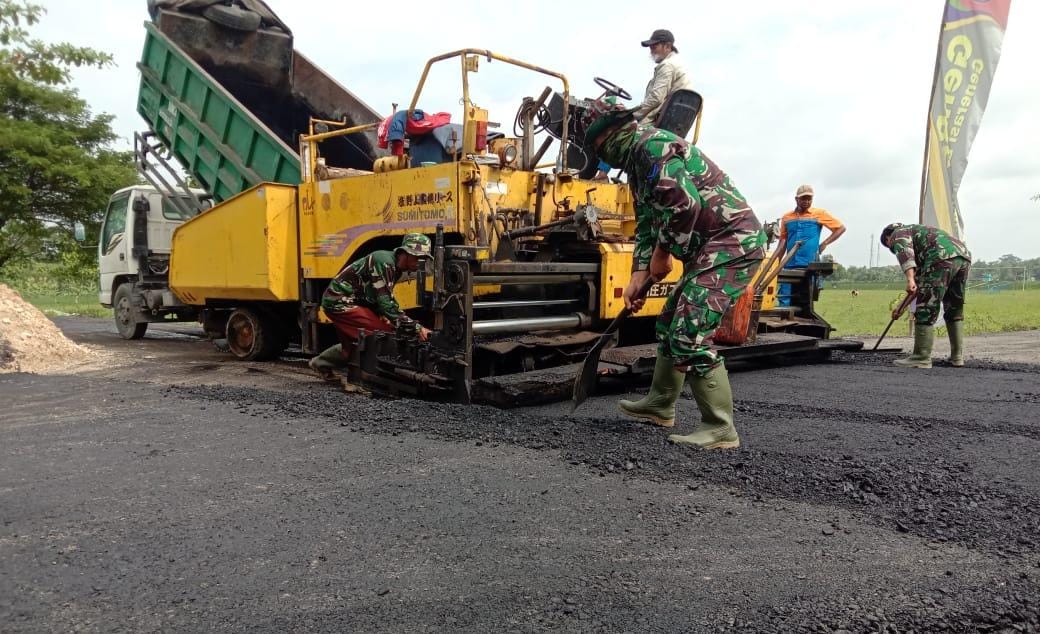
(125, 314)
(253, 335)
(235, 18)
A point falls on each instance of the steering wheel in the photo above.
(612, 88)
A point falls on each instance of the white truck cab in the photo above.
(134, 257)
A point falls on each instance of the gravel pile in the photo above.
(29, 341)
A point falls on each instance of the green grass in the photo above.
(61, 304)
(869, 313)
(1007, 310)
(56, 289)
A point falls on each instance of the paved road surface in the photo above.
(187, 492)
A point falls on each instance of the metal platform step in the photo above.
(848, 345)
(631, 362)
(536, 387)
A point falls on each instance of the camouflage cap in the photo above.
(889, 230)
(602, 115)
(416, 244)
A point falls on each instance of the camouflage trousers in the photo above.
(943, 283)
(695, 309)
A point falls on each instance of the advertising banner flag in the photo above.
(969, 48)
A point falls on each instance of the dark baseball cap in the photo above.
(660, 35)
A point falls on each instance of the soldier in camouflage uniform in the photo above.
(361, 297)
(687, 208)
(936, 266)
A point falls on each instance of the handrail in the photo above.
(462, 53)
(321, 136)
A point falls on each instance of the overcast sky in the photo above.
(833, 94)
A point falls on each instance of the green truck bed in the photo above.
(230, 106)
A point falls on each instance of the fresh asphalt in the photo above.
(187, 492)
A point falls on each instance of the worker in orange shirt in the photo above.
(805, 223)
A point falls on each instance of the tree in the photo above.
(56, 164)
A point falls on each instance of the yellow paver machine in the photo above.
(530, 256)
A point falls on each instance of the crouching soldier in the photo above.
(361, 297)
(688, 208)
(936, 266)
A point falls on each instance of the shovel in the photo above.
(902, 307)
(586, 379)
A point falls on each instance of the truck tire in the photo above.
(254, 335)
(232, 17)
(126, 314)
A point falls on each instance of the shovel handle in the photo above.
(761, 286)
(766, 268)
(626, 311)
(586, 378)
(902, 307)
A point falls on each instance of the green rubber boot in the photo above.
(955, 329)
(924, 335)
(715, 400)
(658, 406)
(326, 363)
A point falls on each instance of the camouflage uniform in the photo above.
(689, 207)
(942, 263)
(361, 297)
(366, 283)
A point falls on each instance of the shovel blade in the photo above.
(585, 381)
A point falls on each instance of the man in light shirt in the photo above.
(669, 76)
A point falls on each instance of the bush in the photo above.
(57, 288)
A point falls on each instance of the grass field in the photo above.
(59, 304)
(868, 314)
(49, 287)
(865, 314)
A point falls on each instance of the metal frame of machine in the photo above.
(567, 250)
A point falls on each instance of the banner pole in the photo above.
(928, 117)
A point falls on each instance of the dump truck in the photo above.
(134, 257)
(530, 257)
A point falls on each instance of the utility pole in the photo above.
(870, 262)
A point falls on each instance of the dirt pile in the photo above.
(29, 342)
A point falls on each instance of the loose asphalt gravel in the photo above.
(186, 492)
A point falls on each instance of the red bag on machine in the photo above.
(394, 128)
(428, 122)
